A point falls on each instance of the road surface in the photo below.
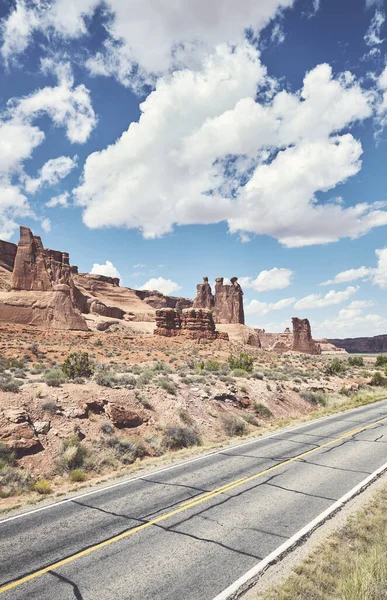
(188, 532)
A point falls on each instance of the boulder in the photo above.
(122, 415)
(16, 415)
(20, 438)
(42, 427)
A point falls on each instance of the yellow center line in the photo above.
(182, 507)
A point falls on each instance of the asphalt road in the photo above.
(173, 535)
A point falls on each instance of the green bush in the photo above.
(336, 367)
(7, 456)
(77, 364)
(250, 419)
(8, 384)
(177, 437)
(356, 361)
(50, 407)
(168, 386)
(13, 481)
(234, 426)
(262, 410)
(107, 428)
(258, 375)
(106, 378)
(377, 379)
(381, 360)
(242, 361)
(239, 373)
(317, 398)
(73, 454)
(54, 377)
(78, 475)
(210, 365)
(42, 487)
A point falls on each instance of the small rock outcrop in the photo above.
(7, 255)
(123, 416)
(204, 297)
(99, 308)
(156, 299)
(168, 322)
(302, 337)
(197, 324)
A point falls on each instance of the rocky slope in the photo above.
(375, 344)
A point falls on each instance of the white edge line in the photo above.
(188, 462)
(244, 583)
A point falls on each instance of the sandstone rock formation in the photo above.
(276, 342)
(197, 324)
(204, 297)
(168, 322)
(37, 268)
(7, 255)
(99, 308)
(302, 337)
(227, 304)
(156, 299)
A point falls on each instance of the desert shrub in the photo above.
(336, 367)
(8, 384)
(73, 454)
(78, 475)
(15, 363)
(77, 364)
(127, 380)
(377, 379)
(177, 437)
(42, 487)
(168, 386)
(381, 360)
(234, 426)
(185, 417)
(105, 377)
(144, 401)
(161, 367)
(317, 398)
(54, 377)
(238, 373)
(257, 375)
(145, 377)
(7, 456)
(34, 348)
(126, 451)
(356, 361)
(250, 419)
(107, 428)
(262, 410)
(241, 361)
(226, 379)
(50, 407)
(19, 373)
(13, 481)
(209, 365)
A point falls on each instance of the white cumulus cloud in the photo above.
(171, 167)
(51, 173)
(348, 275)
(107, 269)
(255, 307)
(61, 200)
(373, 35)
(275, 279)
(321, 301)
(165, 286)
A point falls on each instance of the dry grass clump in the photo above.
(351, 565)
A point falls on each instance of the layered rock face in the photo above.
(196, 324)
(36, 270)
(204, 297)
(168, 322)
(302, 337)
(375, 344)
(7, 255)
(156, 300)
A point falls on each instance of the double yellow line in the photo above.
(182, 507)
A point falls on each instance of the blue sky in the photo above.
(176, 140)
